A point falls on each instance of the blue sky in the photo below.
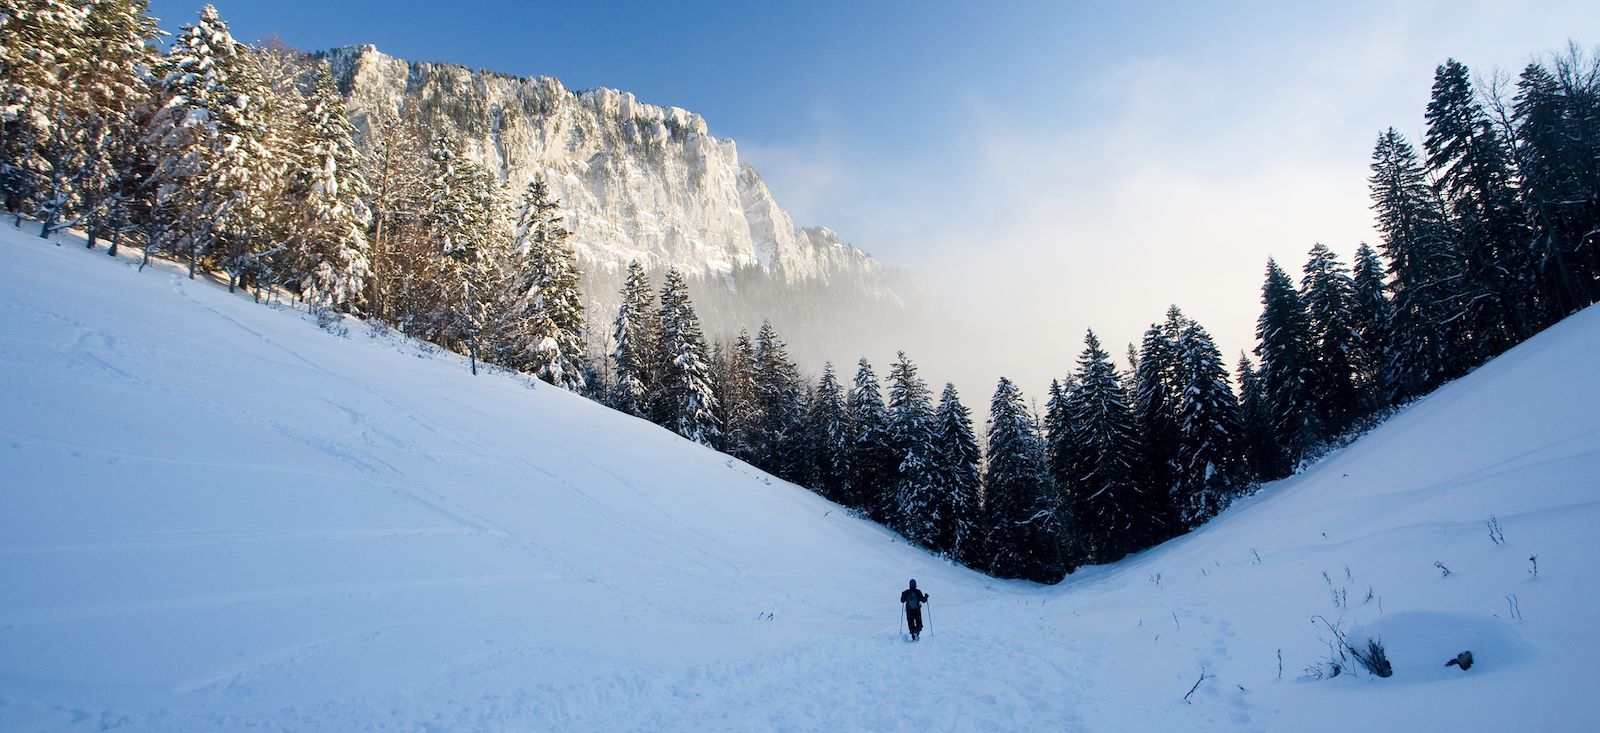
(1053, 165)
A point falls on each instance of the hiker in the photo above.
(913, 599)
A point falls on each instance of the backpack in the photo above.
(916, 600)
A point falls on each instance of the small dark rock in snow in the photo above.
(1462, 660)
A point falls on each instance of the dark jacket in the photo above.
(905, 595)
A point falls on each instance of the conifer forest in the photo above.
(241, 162)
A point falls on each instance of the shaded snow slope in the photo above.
(214, 516)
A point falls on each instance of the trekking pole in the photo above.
(930, 616)
(902, 625)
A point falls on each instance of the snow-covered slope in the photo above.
(215, 516)
(635, 180)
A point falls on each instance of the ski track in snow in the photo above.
(216, 516)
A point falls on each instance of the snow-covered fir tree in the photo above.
(543, 329)
(1210, 440)
(1329, 296)
(779, 409)
(827, 439)
(1158, 389)
(41, 47)
(734, 368)
(207, 146)
(681, 397)
(911, 433)
(86, 115)
(1025, 524)
(327, 263)
(634, 333)
(464, 220)
(1112, 514)
(1289, 379)
(873, 466)
(957, 489)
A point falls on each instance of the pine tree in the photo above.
(911, 434)
(464, 219)
(42, 52)
(1557, 112)
(778, 406)
(1473, 168)
(1370, 313)
(98, 92)
(634, 332)
(873, 468)
(1157, 391)
(1260, 454)
(543, 332)
(1423, 269)
(1289, 379)
(1024, 517)
(1329, 296)
(736, 393)
(328, 264)
(1210, 441)
(826, 435)
(682, 400)
(1112, 514)
(1058, 436)
(958, 501)
(207, 141)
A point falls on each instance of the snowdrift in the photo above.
(215, 515)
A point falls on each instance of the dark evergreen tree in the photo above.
(1289, 379)
(873, 467)
(1024, 517)
(1058, 436)
(1370, 314)
(1111, 512)
(1469, 160)
(1260, 454)
(958, 501)
(1329, 296)
(1557, 115)
(1158, 389)
(1423, 274)
(911, 434)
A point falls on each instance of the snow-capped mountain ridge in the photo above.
(636, 180)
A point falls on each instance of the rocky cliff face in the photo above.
(636, 181)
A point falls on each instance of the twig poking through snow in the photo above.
(1203, 678)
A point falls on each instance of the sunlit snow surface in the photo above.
(216, 516)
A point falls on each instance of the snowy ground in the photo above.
(216, 516)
